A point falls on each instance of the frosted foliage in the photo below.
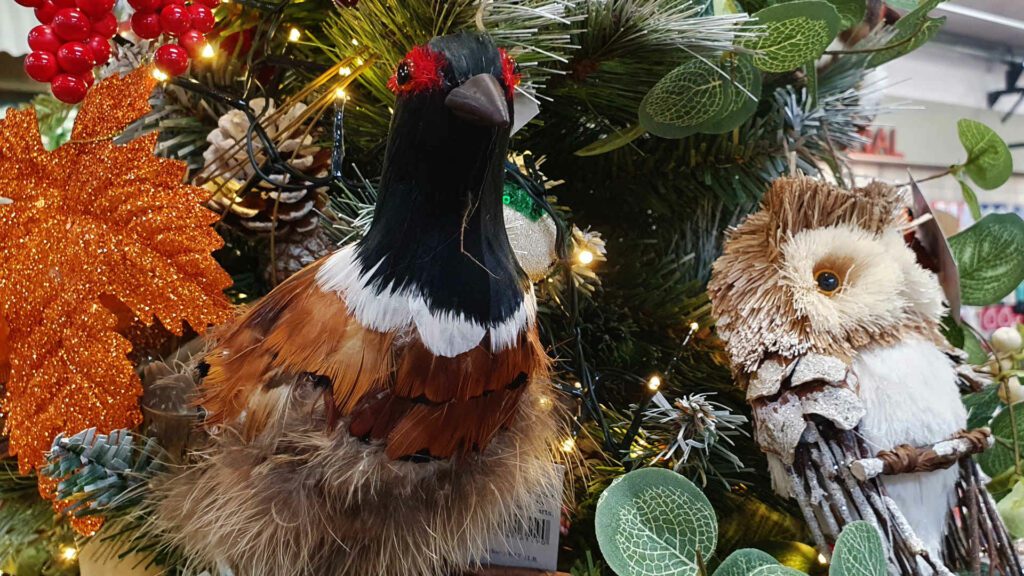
(660, 544)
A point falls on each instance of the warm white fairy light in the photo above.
(653, 383)
(694, 326)
(577, 385)
(340, 94)
(160, 75)
(344, 71)
(569, 444)
(207, 52)
(822, 559)
(294, 34)
(585, 257)
(355, 42)
(360, 61)
(69, 553)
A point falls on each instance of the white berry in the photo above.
(1006, 340)
(1012, 392)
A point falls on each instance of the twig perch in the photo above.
(907, 459)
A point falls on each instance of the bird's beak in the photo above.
(480, 100)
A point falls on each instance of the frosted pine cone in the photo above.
(268, 206)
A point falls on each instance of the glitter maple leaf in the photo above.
(90, 222)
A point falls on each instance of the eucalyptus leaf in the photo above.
(749, 562)
(1011, 510)
(981, 405)
(990, 257)
(682, 99)
(1001, 457)
(909, 33)
(612, 142)
(858, 552)
(654, 522)
(743, 81)
(989, 163)
(851, 12)
(794, 33)
(903, 4)
(971, 199)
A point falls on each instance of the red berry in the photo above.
(211, 4)
(95, 8)
(41, 66)
(169, 2)
(145, 5)
(202, 18)
(192, 41)
(171, 59)
(100, 48)
(68, 88)
(42, 38)
(29, 3)
(147, 25)
(64, 4)
(175, 19)
(88, 78)
(45, 11)
(71, 24)
(105, 25)
(75, 58)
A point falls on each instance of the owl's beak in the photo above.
(480, 100)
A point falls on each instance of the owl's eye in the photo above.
(828, 282)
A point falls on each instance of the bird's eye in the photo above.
(422, 70)
(404, 74)
(828, 282)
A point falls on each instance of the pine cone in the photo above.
(267, 206)
(294, 252)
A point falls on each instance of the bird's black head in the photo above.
(438, 226)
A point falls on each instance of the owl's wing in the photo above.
(806, 413)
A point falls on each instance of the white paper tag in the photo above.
(524, 109)
(532, 542)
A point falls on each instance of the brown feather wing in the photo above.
(297, 331)
(442, 407)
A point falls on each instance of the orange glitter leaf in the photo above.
(92, 221)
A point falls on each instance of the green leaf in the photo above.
(749, 562)
(1001, 457)
(725, 7)
(971, 199)
(909, 33)
(858, 552)
(1011, 509)
(682, 99)
(981, 405)
(990, 257)
(738, 105)
(903, 4)
(975, 351)
(653, 522)
(794, 33)
(612, 142)
(851, 12)
(989, 163)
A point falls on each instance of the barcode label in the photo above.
(533, 529)
(532, 541)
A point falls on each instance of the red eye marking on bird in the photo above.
(509, 72)
(422, 70)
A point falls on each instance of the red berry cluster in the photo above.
(189, 22)
(72, 38)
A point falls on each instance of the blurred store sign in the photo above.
(879, 141)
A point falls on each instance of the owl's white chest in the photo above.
(910, 394)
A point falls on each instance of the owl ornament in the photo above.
(831, 322)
